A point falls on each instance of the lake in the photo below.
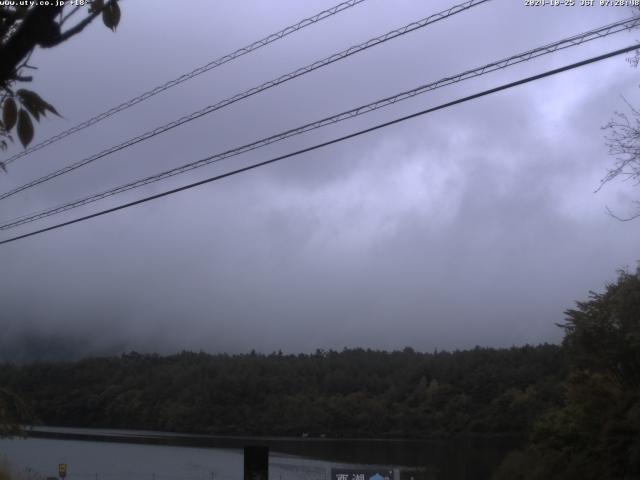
(93, 454)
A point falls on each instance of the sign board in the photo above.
(62, 470)
(361, 474)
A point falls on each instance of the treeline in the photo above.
(595, 434)
(352, 393)
(578, 404)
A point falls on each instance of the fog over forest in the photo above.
(474, 225)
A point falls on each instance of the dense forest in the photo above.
(576, 404)
(353, 393)
(595, 434)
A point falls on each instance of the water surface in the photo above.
(93, 454)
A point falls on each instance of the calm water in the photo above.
(305, 459)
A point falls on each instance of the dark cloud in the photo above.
(474, 225)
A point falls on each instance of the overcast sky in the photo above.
(475, 225)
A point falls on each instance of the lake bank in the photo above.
(468, 457)
(410, 452)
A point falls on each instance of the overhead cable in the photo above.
(574, 40)
(330, 142)
(187, 76)
(253, 91)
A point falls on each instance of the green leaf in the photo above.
(9, 113)
(111, 15)
(25, 128)
(35, 104)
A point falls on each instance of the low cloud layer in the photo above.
(476, 225)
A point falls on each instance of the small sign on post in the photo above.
(62, 470)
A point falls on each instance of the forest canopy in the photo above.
(352, 393)
(596, 432)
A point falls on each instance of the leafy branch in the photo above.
(22, 29)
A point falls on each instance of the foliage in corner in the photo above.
(596, 434)
(22, 29)
(623, 142)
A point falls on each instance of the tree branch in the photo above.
(622, 219)
(81, 25)
(38, 27)
(69, 15)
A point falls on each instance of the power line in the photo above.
(187, 76)
(361, 110)
(252, 91)
(331, 142)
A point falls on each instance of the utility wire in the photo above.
(252, 91)
(187, 76)
(506, 86)
(361, 110)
